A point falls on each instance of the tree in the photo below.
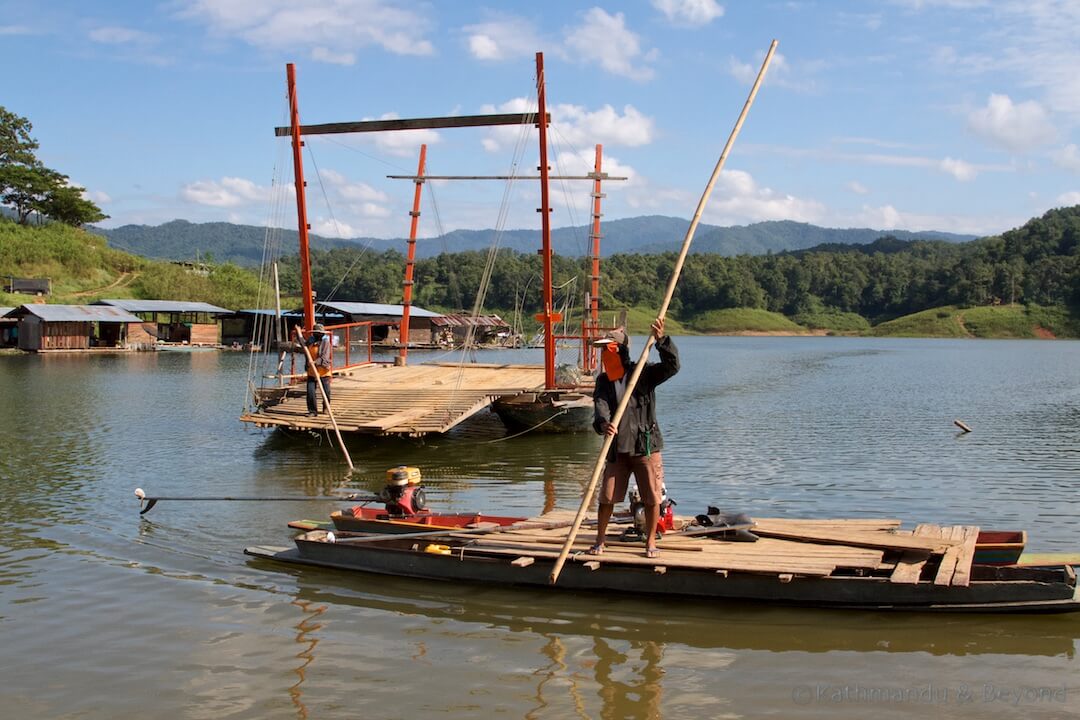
(16, 145)
(28, 186)
(66, 204)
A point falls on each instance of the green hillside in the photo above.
(83, 268)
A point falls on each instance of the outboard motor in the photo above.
(665, 522)
(403, 494)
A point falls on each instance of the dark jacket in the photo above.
(638, 432)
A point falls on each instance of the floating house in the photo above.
(386, 320)
(64, 328)
(452, 330)
(172, 321)
(244, 326)
(9, 329)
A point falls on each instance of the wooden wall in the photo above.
(204, 334)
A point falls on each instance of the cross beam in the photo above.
(414, 124)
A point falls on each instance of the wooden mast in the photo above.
(410, 259)
(301, 205)
(548, 317)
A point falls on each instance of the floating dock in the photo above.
(407, 400)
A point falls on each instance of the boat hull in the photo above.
(546, 412)
(992, 589)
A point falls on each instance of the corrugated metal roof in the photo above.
(77, 313)
(5, 310)
(175, 306)
(458, 320)
(357, 308)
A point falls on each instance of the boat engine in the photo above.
(666, 520)
(403, 494)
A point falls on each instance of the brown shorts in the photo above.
(648, 471)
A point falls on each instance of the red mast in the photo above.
(548, 316)
(409, 261)
(301, 206)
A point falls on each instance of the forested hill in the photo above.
(243, 244)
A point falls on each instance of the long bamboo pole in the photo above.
(586, 499)
(326, 400)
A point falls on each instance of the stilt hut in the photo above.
(173, 321)
(48, 328)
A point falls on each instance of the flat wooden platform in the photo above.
(786, 547)
(411, 400)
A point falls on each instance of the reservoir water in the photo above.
(106, 614)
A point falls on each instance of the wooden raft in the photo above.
(785, 548)
(411, 400)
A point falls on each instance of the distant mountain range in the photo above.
(243, 244)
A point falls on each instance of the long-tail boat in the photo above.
(850, 563)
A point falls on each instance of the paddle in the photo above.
(152, 501)
(586, 500)
(325, 399)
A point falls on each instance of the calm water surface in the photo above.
(104, 614)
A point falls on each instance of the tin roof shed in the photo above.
(75, 313)
(359, 308)
(166, 306)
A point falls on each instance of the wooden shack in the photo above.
(387, 319)
(27, 286)
(65, 328)
(9, 329)
(452, 330)
(257, 325)
(172, 321)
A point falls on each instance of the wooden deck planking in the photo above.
(410, 400)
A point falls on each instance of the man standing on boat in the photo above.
(324, 366)
(637, 444)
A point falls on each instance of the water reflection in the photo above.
(306, 655)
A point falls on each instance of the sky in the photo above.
(949, 115)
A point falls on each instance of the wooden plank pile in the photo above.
(785, 548)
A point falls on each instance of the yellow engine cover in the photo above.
(395, 474)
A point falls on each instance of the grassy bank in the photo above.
(83, 268)
(991, 322)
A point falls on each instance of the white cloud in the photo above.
(959, 169)
(371, 210)
(15, 30)
(337, 26)
(583, 162)
(1068, 157)
(333, 229)
(502, 39)
(781, 72)
(576, 125)
(98, 197)
(328, 56)
(1016, 127)
(227, 192)
(1069, 198)
(857, 187)
(356, 191)
(121, 36)
(689, 12)
(736, 199)
(605, 40)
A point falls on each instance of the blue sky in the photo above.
(955, 115)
